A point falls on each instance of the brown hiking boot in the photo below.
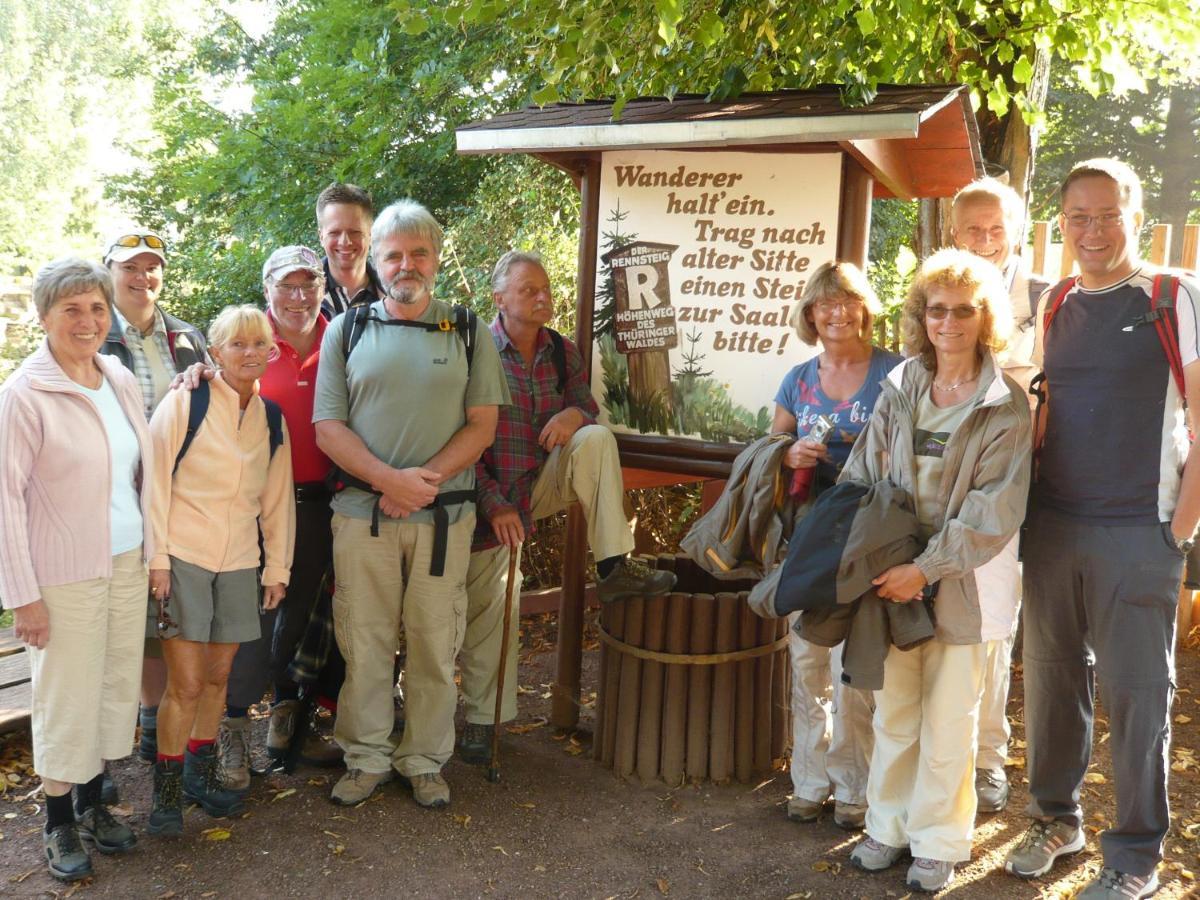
(633, 578)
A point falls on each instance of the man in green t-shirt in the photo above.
(404, 415)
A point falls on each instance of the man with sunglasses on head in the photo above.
(155, 346)
(1113, 510)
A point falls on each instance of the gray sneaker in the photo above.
(233, 743)
(929, 875)
(66, 856)
(991, 790)
(1114, 885)
(872, 856)
(356, 786)
(849, 816)
(1043, 843)
(430, 790)
(633, 578)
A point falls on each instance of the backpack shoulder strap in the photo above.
(274, 425)
(197, 410)
(352, 331)
(1166, 323)
(464, 324)
(1058, 294)
(559, 355)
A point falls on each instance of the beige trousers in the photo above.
(383, 583)
(921, 788)
(587, 470)
(994, 730)
(87, 678)
(831, 726)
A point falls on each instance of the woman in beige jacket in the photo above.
(209, 508)
(955, 432)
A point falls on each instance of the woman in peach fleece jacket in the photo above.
(207, 514)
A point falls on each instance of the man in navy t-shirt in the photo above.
(1112, 514)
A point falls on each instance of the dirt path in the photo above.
(557, 825)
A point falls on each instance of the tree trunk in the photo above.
(1180, 162)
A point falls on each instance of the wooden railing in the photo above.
(1046, 253)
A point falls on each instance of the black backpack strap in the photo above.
(441, 527)
(558, 353)
(274, 425)
(352, 330)
(197, 410)
(464, 324)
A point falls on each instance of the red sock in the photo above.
(163, 757)
(195, 746)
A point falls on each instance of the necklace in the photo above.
(954, 387)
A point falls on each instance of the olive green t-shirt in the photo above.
(405, 392)
(931, 432)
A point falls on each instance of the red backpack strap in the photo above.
(1058, 294)
(1166, 324)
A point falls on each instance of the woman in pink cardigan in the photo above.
(74, 540)
(232, 482)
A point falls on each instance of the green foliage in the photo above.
(18, 342)
(624, 49)
(251, 129)
(893, 225)
(63, 90)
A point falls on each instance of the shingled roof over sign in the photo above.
(917, 141)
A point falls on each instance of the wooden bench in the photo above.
(15, 690)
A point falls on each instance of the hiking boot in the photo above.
(1043, 843)
(475, 745)
(356, 786)
(849, 816)
(202, 784)
(318, 750)
(281, 729)
(801, 810)
(1113, 885)
(99, 829)
(991, 790)
(929, 875)
(233, 743)
(633, 578)
(66, 857)
(108, 789)
(148, 740)
(429, 790)
(166, 813)
(872, 856)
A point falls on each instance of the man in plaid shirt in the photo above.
(548, 453)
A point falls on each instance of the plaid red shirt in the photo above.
(508, 469)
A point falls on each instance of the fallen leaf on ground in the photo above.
(722, 827)
(525, 729)
(283, 794)
(501, 849)
(1095, 778)
(1181, 719)
(464, 821)
(799, 895)
(17, 879)
(664, 886)
(822, 865)
(216, 834)
(167, 896)
(525, 805)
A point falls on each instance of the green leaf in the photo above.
(866, 21)
(1023, 70)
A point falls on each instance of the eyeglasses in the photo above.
(1107, 220)
(849, 304)
(960, 312)
(298, 290)
(153, 241)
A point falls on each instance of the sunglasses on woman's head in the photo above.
(153, 241)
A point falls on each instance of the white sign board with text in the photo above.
(721, 245)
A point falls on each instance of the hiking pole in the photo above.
(493, 772)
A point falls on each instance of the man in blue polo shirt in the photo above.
(1112, 515)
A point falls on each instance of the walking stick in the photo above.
(493, 772)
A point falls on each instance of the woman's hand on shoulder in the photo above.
(31, 624)
(804, 454)
(273, 595)
(900, 584)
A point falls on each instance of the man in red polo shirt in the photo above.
(293, 282)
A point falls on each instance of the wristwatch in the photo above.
(1185, 545)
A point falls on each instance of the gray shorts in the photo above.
(214, 607)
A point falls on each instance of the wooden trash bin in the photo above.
(693, 685)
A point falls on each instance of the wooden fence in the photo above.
(1046, 253)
